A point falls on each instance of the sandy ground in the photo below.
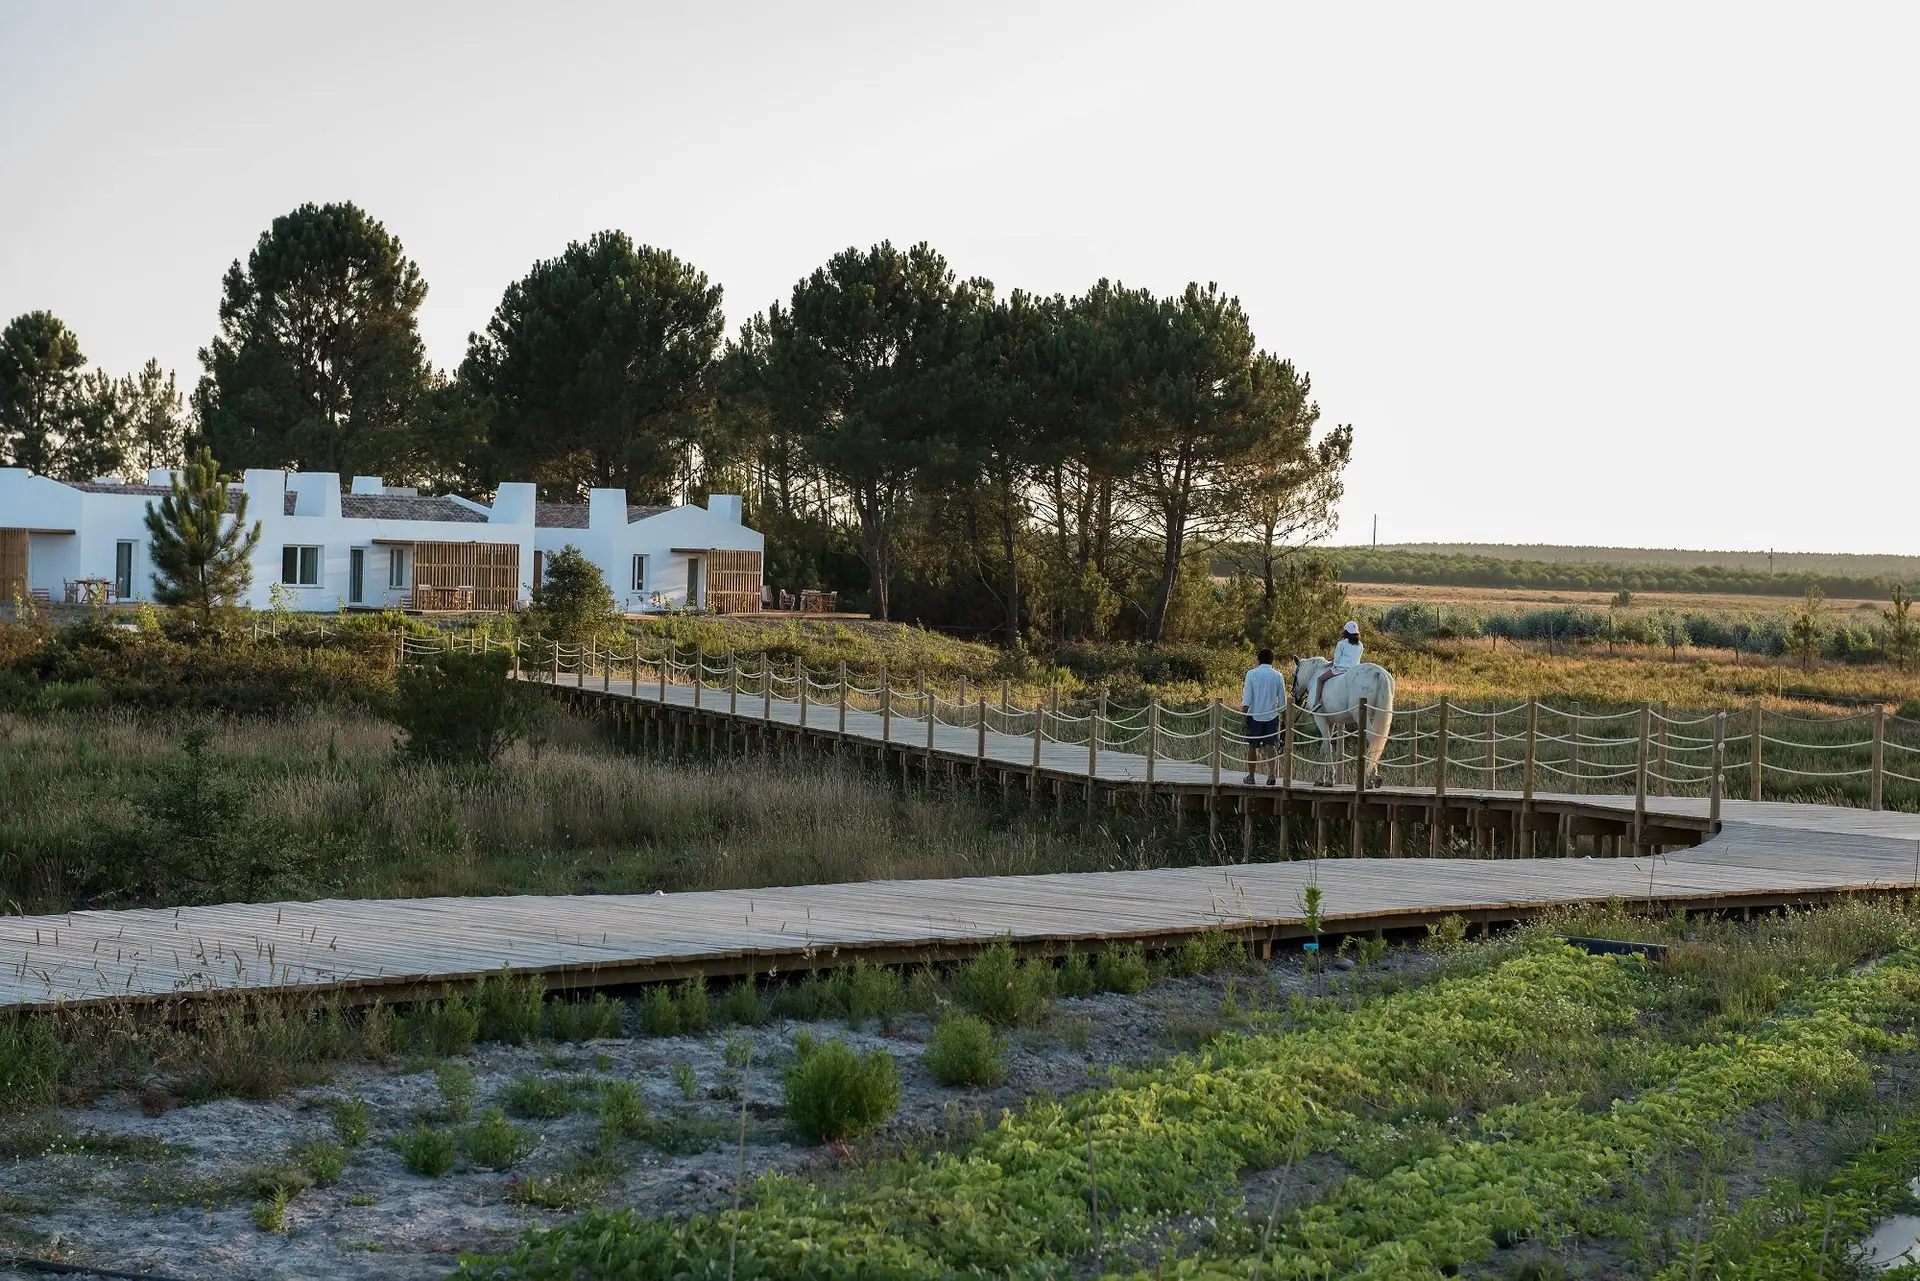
(187, 1213)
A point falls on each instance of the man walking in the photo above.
(1260, 698)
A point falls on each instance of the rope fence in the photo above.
(1441, 746)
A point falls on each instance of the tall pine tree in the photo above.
(201, 552)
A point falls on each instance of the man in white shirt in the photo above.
(1347, 652)
(1261, 695)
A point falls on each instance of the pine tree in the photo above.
(201, 559)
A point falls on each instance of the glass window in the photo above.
(300, 566)
(639, 573)
(397, 568)
(123, 571)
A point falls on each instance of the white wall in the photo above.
(611, 543)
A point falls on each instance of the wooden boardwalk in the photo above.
(1763, 854)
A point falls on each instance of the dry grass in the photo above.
(570, 814)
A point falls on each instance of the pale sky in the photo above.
(1639, 274)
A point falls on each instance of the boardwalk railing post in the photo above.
(1288, 729)
(1093, 744)
(800, 675)
(733, 684)
(1283, 838)
(1755, 753)
(1717, 785)
(1365, 723)
(1439, 783)
(1213, 795)
(842, 694)
(1522, 833)
(606, 672)
(516, 659)
(1039, 736)
(980, 745)
(766, 689)
(1661, 773)
(1879, 755)
(699, 675)
(886, 716)
(556, 663)
(666, 666)
(1153, 738)
(1640, 777)
(633, 673)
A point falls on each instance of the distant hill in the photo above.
(1638, 569)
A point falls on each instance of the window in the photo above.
(639, 573)
(397, 568)
(300, 566)
(123, 571)
(356, 576)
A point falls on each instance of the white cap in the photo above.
(1351, 626)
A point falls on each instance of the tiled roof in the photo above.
(160, 491)
(407, 507)
(574, 515)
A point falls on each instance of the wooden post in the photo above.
(980, 746)
(606, 673)
(633, 673)
(1493, 749)
(516, 659)
(1719, 757)
(1439, 784)
(1287, 731)
(843, 698)
(1033, 776)
(666, 665)
(1661, 772)
(1213, 796)
(1363, 720)
(699, 674)
(1153, 737)
(886, 716)
(1533, 744)
(1640, 776)
(766, 688)
(733, 683)
(1755, 763)
(1093, 744)
(556, 663)
(933, 718)
(1879, 756)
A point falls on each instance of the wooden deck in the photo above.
(1763, 855)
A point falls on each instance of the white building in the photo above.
(376, 546)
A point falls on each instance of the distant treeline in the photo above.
(1846, 639)
(1844, 564)
(1385, 565)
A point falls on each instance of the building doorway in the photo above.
(357, 576)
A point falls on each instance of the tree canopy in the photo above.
(318, 364)
(593, 370)
(199, 543)
(40, 364)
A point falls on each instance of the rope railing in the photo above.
(1439, 745)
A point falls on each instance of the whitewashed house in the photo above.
(377, 546)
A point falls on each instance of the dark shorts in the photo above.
(1261, 733)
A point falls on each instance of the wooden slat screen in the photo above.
(733, 582)
(491, 570)
(13, 565)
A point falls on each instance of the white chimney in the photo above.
(725, 506)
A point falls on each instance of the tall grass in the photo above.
(566, 813)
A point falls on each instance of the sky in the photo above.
(1639, 274)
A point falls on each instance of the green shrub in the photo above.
(323, 1161)
(542, 1098)
(1447, 933)
(442, 1028)
(684, 1080)
(659, 1013)
(742, 1005)
(925, 992)
(1076, 975)
(1002, 989)
(510, 1007)
(32, 1061)
(495, 1143)
(834, 1093)
(427, 1152)
(457, 1088)
(623, 1114)
(460, 707)
(1122, 968)
(1210, 952)
(598, 1019)
(865, 991)
(802, 1001)
(696, 1012)
(350, 1120)
(965, 1050)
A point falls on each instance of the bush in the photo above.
(323, 1161)
(1002, 989)
(510, 1007)
(695, 1011)
(659, 1014)
(457, 1088)
(742, 1005)
(1210, 952)
(623, 1114)
(427, 1152)
(965, 1050)
(443, 1028)
(865, 991)
(834, 1093)
(573, 605)
(541, 1098)
(32, 1062)
(1076, 975)
(592, 1020)
(460, 707)
(1122, 968)
(495, 1143)
(350, 1121)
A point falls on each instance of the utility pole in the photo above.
(1376, 529)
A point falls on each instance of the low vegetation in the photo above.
(835, 1092)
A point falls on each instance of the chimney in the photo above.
(607, 509)
(725, 506)
(366, 485)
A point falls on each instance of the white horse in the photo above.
(1340, 706)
